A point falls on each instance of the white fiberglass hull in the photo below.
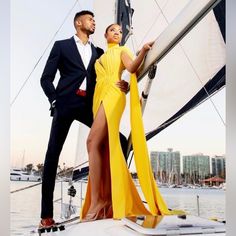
(169, 225)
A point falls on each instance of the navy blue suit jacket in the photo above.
(65, 57)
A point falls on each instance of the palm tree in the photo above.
(40, 169)
(29, 168)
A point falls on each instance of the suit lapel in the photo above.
(75, 53)
(93, 57)
(77, 57)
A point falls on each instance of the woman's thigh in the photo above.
(98, 132)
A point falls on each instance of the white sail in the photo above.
(186, 69)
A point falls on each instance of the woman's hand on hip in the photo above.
(122, 85)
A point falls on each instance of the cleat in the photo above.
(182, 217)
(41, 230)
(49, 226)
(54, 228)
(62, 227)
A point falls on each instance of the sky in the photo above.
(33, 25)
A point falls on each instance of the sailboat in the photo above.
(178, 28)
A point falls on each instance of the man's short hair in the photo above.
(81, 13)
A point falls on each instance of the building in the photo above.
(218, 166)
(195, 168)
(153, 156)
(166, 166)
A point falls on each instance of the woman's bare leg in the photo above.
(106, 173)
(107, 193)
(95, 142)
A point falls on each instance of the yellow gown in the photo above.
(125, 198)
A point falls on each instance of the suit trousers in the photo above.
(62, 120)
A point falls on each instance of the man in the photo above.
(70, 100)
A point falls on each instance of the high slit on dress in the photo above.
(125, 197)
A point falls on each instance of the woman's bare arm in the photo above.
(133, 65)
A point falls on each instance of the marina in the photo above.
(22, 175)
(211, 204)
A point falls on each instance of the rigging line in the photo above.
(73, 168)
(195, 71)
(132, 42)
(21, 189)
(213, 104)
(33, 185)
(154, 22)
(177, 117)
(27, 79)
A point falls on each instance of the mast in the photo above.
(124, 18)
(23, 160)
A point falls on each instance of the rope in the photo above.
(21, 189)
(133, 38)
(157, 17)
(55, 34)
(34, 185)
(133, 41)
(213, 104)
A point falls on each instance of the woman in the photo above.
(110, 186)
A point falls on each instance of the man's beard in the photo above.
(89, 31)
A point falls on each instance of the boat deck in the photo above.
(167, 225)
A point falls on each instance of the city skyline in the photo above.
(172, 168)
(21, 163)
(193, 154)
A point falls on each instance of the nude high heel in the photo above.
(100, 214)
(109, 211)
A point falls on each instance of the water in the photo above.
(25, 205)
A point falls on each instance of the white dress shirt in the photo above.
(85, 52)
